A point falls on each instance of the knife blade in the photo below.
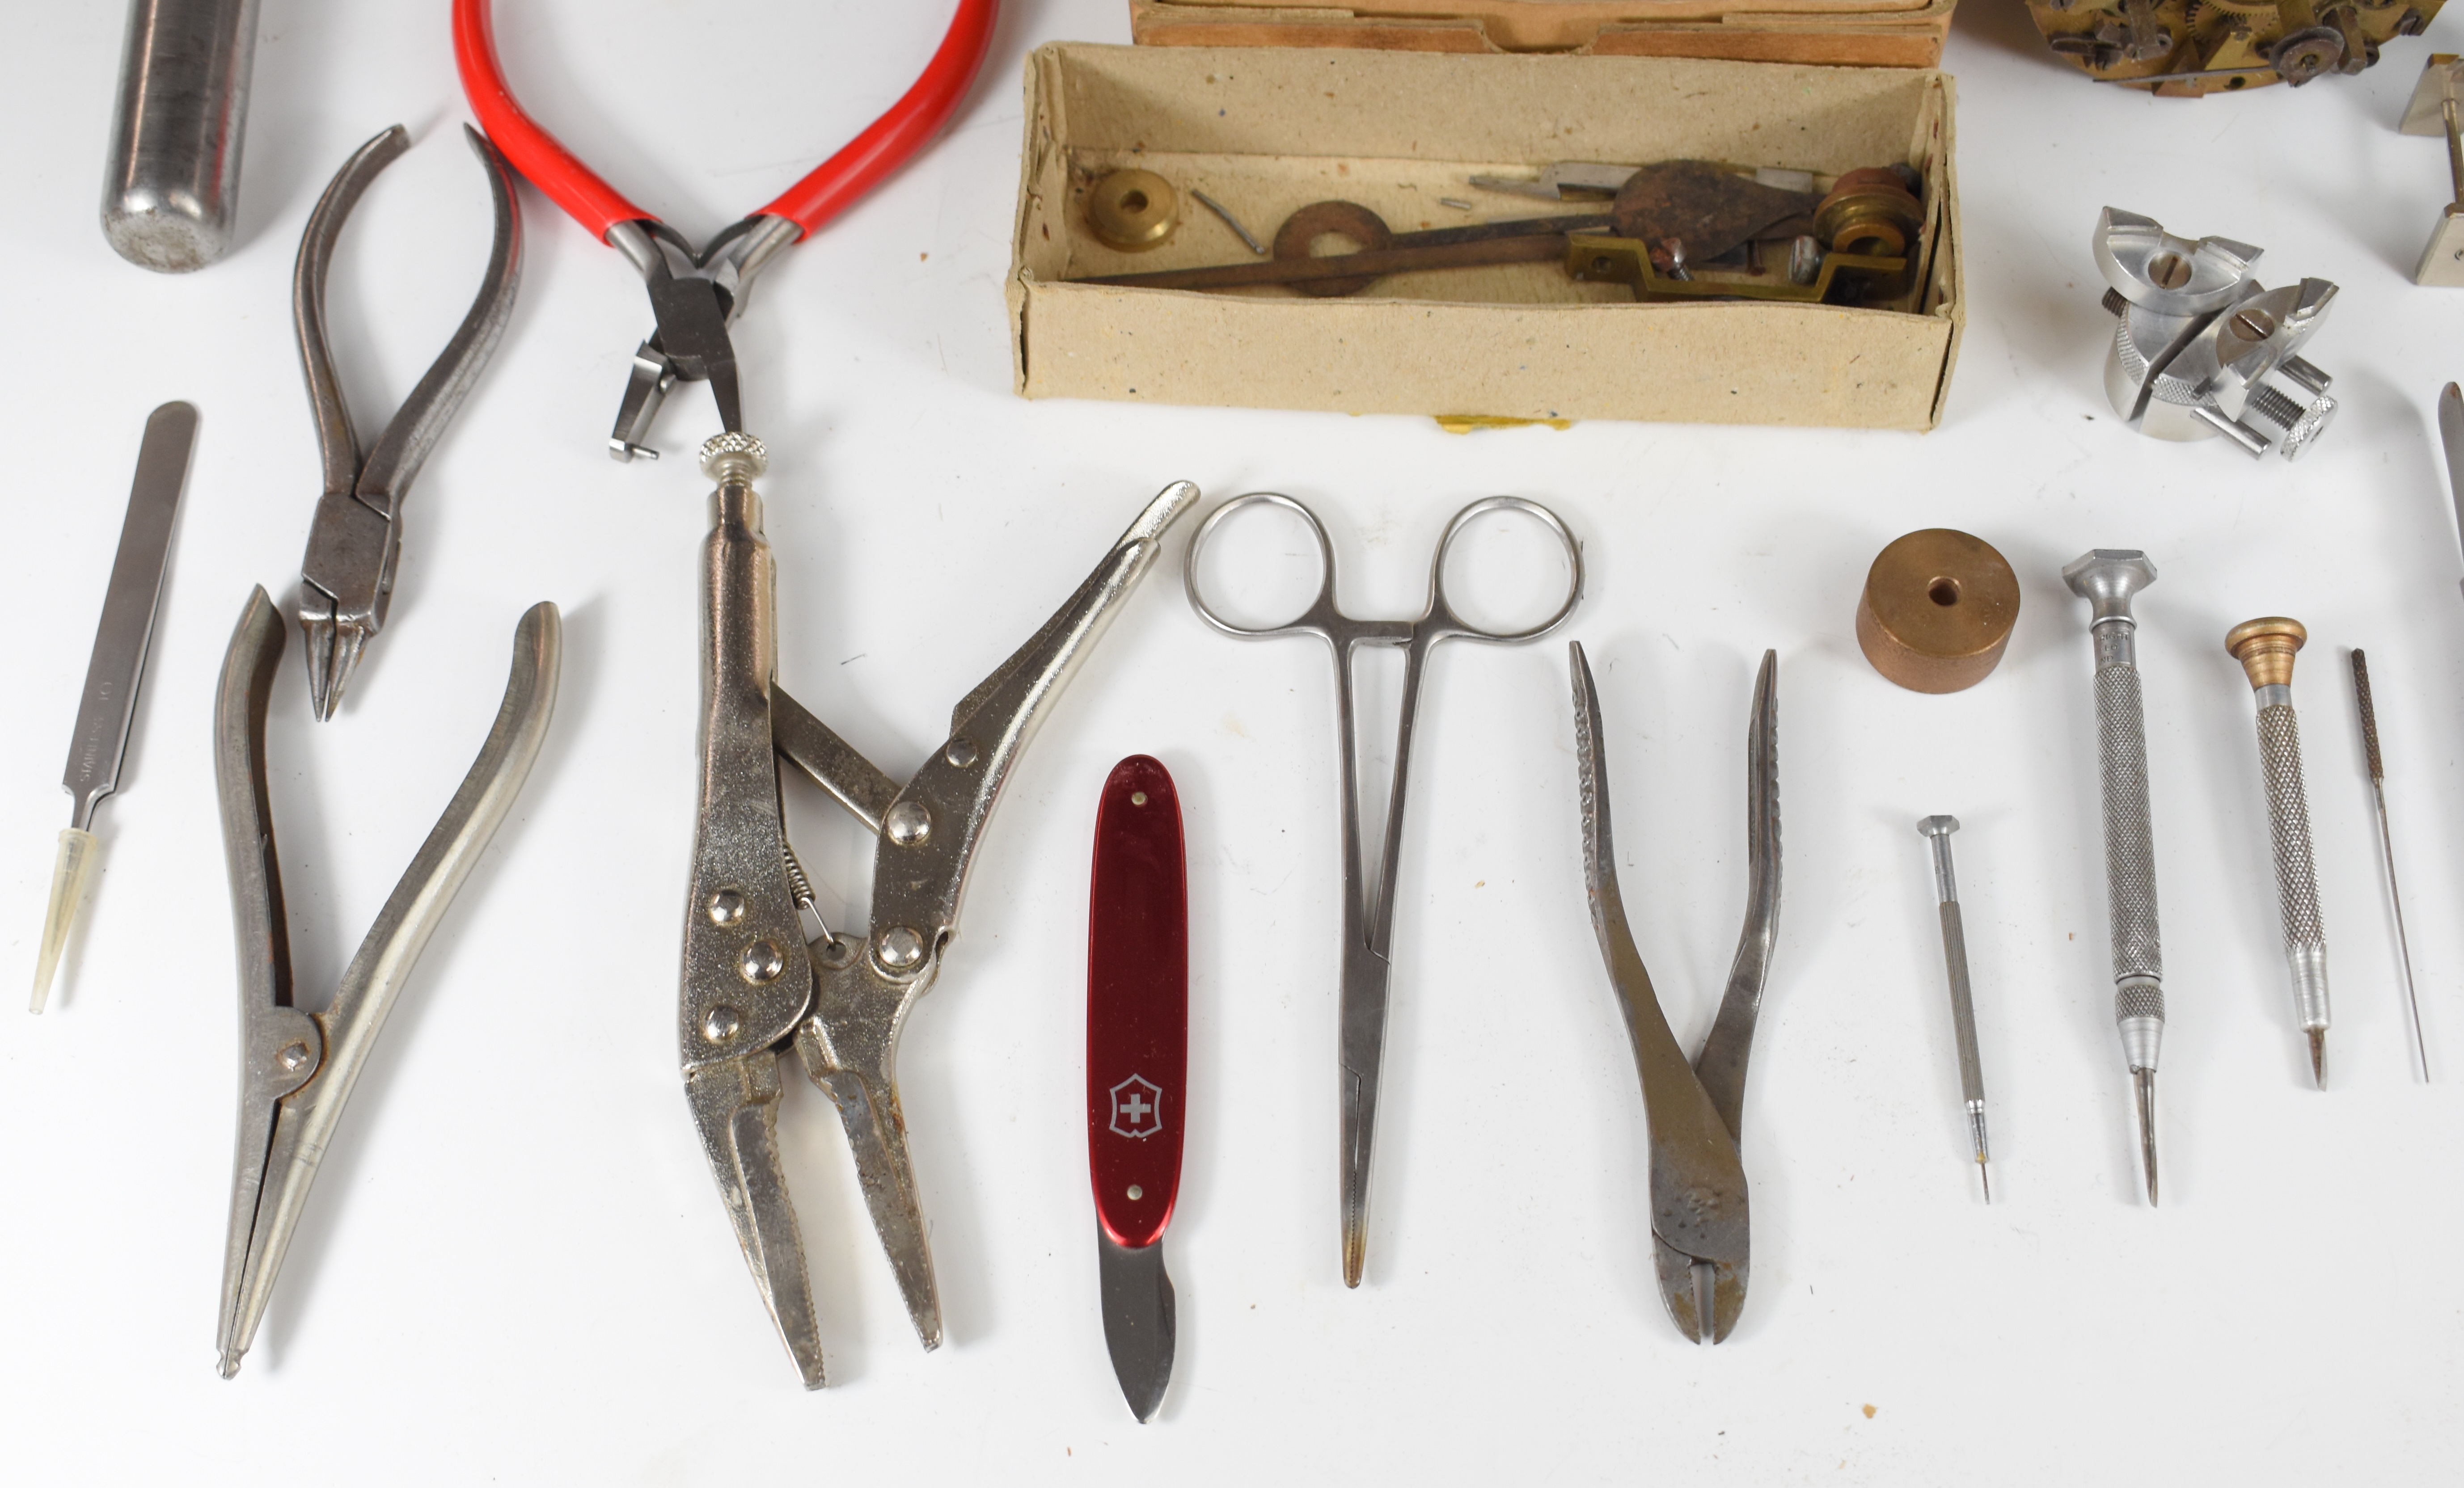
(108, 705)
(1137, 1064)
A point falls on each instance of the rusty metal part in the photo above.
(1708, 208)
(1937, 610)
(1870, 211)
(2193, 48)
(1133, 210)
(1842, 278)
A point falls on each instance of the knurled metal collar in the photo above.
(732, 454)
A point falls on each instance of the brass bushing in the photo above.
(1937, 610)
(2265, 646)
(1133, 210)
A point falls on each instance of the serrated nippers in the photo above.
(1695, 1112)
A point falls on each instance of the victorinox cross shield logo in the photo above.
(1137, 1108)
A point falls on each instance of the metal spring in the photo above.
(801, 888)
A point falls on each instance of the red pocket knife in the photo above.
(1137, 1063)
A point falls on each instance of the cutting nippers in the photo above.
(355, 543)
(1698, 1180)
(754, 982)
(698, 293)
(297, 1067)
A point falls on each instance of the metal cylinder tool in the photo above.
(2265, 649)
(2108, 578)
(173, 187)
(1937, 611)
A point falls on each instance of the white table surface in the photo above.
(515, 1267)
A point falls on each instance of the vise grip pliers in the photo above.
(752, 984)
(698, 293)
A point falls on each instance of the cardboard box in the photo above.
(1835, 32)
(1265, 131)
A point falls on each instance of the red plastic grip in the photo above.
(831, 188)
(532, 151)
(907, 127)
(1138, 1003)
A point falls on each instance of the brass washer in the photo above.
(1133, 210)
(1937, 610)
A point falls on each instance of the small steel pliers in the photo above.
(355, 543)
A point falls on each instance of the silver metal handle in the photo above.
(2130, 836)
(2297, 876)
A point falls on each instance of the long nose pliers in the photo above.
(696, 294)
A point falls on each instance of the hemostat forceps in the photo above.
(1698, 1181)
(752, 983)
(346, 579)
(297, 1067)
(1369, 903)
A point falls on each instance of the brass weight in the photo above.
(1133, 210)
(1937, 610)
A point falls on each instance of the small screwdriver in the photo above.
(1937, 831)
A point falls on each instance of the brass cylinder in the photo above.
(1133, 210)
(1937, 610)
(2265, 648)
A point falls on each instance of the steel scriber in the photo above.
(1937, 832)
(107, 707)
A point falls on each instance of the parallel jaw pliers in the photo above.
(1698, 1180)
(696, 294)
(355, 543)
(297, 1067)
(752, 982)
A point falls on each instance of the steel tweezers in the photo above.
(1698, 1179)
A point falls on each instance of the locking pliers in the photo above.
(752, 984)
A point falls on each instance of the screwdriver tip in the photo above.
(2319, 1056)
(2145, 1080)
(1985, 1175)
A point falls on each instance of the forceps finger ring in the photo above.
(1319, 616)
(1440, 607)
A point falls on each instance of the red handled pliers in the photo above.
(695, 295)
